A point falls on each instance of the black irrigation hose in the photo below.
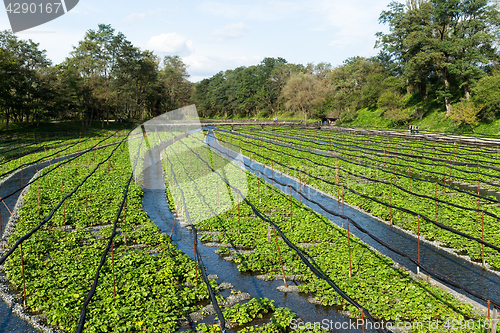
(375, 151)
(381, 242)
(424, 145)
(376, 180)
(213, 300)
(462, 146)
(431, 136)
(59, 151)
(48, 217)
(28, 153)
(314, 269)
(279, 143)
(62, 163)
(81, 321)
(442, 226)
(27, 164)
(21, 145)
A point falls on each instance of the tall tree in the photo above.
(448, 41)
(302, 92)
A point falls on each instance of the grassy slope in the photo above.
(434, 120)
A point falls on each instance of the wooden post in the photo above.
(362, 320)
(38, 196)
(64, 207)
(281, 262)
(6, 206)
(300, 185)
(239, 219)
(113, 266)
(195, 261)
(272, 173)
(349, 246)
(435, 200)
(291, 208)
(173, 226)
(482, 237)
(125, 218)
(390, 208)
(22, 270)
(258, 186)
(418, 246)
(85, 196)
(343, 206)
(489, 317)
(409, 175)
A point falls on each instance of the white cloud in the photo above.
(230, 31)
(354, 22)
(273, 10)
(171, 43)
(138, 17)
(204, 66)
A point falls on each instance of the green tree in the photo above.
(449, 42)
(303, 92)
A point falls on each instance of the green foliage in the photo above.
(466, 113)
(440, 43)
(329, 243)
(151, 276)
(486, 94)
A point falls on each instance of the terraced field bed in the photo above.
(79, 209)
(450, 188)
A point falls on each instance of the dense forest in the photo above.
(438, 54)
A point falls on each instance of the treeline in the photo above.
(438, 54)
(105, 77)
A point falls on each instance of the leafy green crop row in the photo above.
(466, 221)
(52, 147)
(386, 291)
(153, 279)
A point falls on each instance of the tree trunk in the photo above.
(466, 91)
(7, 119)
(85, 97)
(423, 90)
(91, 116)
(447, 99)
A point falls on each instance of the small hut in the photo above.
(330, 118)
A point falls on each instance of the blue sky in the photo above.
(212, 36)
